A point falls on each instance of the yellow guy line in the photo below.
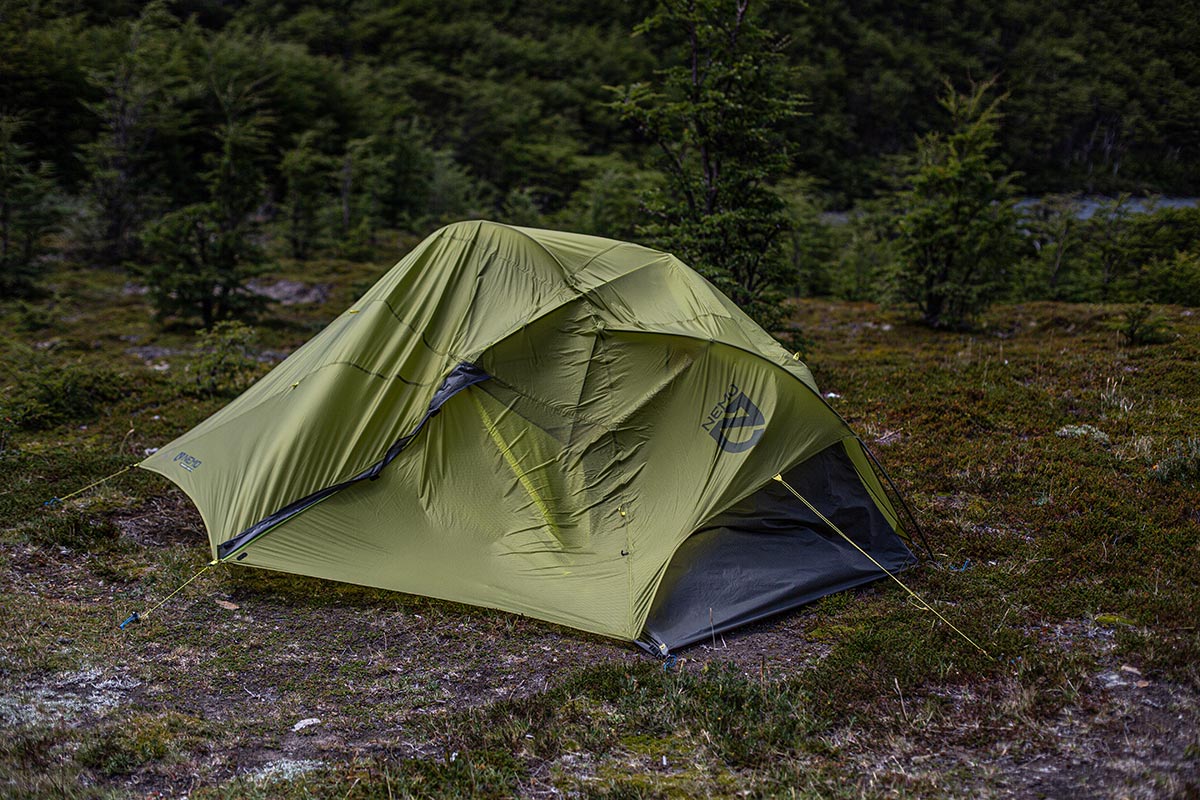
(163, 602)
(923, 604)
(57, 500)
(512, 463)
(138, 617)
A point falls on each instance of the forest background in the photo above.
(198, 143)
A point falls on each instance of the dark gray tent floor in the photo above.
(770, 553)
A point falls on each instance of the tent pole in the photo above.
(903, 503)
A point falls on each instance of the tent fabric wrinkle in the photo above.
(576, 429)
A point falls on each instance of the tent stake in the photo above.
(136, 617)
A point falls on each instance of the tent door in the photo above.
(769, 553)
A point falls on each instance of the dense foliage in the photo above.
(377, 121)
(154, 156)
(27, 209)
(956, 225)
(715, 116)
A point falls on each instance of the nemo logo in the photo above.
(190, 463)
(735, 422)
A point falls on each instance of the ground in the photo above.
(1053, 468)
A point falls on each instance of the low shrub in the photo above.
(1182, 462)
(224, 366)
(1143, 325)
(75, 530)
(49, 395)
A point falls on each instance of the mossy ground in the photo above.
(1072, 558)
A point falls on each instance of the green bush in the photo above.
(1143, 325)
(359, 243)
(866, 258)
(1175, 279)
(224, 366)
(200, 265)
(956, 223)
(200, 257)
(33, 317)
(51, 395)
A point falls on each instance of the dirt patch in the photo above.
(71, 699)
(253, 655)
(1116, 740)
(145, 526)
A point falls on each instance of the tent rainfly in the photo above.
(577, 429)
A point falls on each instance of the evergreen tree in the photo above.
(1054, 227)
(28, 209)
(203, 254)
(362, 187)
(606, 204)
(956, 220)
(134, 161)
(715, 117)
(520, 207)
(305, 171)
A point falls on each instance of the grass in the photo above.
(1072, 557)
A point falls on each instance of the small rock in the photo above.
(284, 770)
(290, 293)
(306, 723)
(1083, 431)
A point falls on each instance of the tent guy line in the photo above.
(54, 501)
(922, 604)
(138, 617)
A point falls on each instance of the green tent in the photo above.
(573, 428)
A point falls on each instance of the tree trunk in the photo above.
(347, 185)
